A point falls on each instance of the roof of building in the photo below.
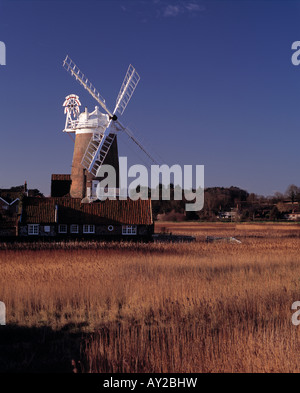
(8, 203)
(61, 177)
(72, 211)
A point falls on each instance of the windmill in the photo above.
(96, 132)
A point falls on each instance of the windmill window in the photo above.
(129, 229)
(47, 228)
(110, 228)
(62, 228)
(89, 229)
(74, 228)
(33, 229)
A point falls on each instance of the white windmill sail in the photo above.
(96, 152)
(72, 68)
(130, 82)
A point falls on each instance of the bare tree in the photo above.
(293, 192)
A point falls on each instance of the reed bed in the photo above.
(161, 307)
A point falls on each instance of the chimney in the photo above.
(25, 188)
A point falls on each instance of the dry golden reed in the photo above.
(158, 307)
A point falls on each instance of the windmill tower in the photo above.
(88, 129)
(96, 132)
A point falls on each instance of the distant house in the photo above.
(227, 215)
(292, 216)
(69, 217)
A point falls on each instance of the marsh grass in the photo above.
(160, 307)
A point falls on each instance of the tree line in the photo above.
(233, 204)
(220, 203)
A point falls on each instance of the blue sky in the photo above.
(217, 85)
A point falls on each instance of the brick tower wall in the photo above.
(78, 177)
(81, 179)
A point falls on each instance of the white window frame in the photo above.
(74, 228)
(129, 230)
(88, 228)
(60, 228)
(33, 229)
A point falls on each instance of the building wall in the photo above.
(8, 231)
(100, 230)
(23, 231)
(146, 230)
(60, 188)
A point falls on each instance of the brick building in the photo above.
(69, 217)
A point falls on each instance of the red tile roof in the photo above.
(71, 210)
(35, 211)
